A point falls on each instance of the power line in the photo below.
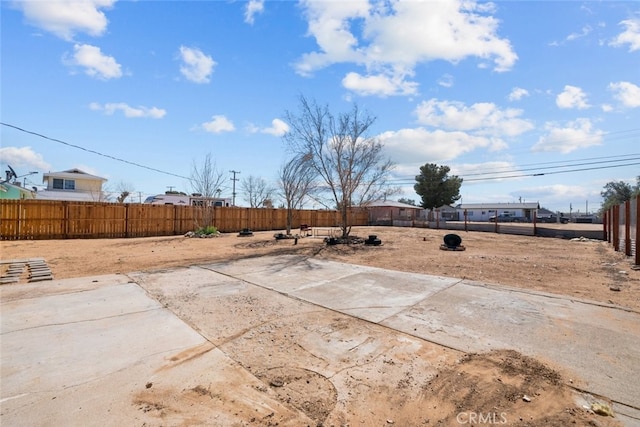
(94, 152)
(568, 164)
(407, 181)
(537, 172)
(564, 163)
(550, 173)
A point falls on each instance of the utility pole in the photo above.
(234, 179)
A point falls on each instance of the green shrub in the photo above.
(207, 230)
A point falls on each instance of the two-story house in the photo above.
(72, 185)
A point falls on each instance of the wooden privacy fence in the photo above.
(45, 219)
(621, 228)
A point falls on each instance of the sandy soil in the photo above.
(460, 384)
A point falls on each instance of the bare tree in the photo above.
(125, 189)
(297, 181)
(206, 180)
(257, 191)
(348, 161)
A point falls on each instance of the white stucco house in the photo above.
(72, 185)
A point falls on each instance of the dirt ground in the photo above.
(501, 387)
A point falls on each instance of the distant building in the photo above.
(72, 185)
(14, 191)
(186, 200)
(388, 212)
(484, 211)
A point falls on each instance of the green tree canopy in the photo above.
(618, 192)
(436, 187)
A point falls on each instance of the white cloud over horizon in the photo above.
(517, 93)
(128, 111)
(630, 36)
(95, 63)
(626, 93)
(449, 31)
(23, 157)
(218, 124)
(407, 145)
(482, 118)
(196, 66)
(65, 18)
(278, 128)
(572, 97)
(572, 136)
(253, 8)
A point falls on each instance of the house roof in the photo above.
(72, 174)
(391, 203)
(6, 187)
(72, 196)
(533, 205)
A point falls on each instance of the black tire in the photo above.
(452, 240)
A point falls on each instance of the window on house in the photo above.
(64, 184)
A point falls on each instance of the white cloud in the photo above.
(561, 195)
(23, 157)
(446, 80)
(128, 111)
(253, 8)
(481, 118)
(572, 97)
(627, 93)
(448, 30)
(517, 93)
(278, 128)
(407, 145)
(95, 63)
(382, 85)
(631, 35)
(583, 33)
(218, 124)
(197, 67)
(64, 18)
(573, 136)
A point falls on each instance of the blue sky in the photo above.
(500, 92)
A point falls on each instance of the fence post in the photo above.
(610, 225)
(616, 227)
(627, 228)
(637, 224)
(605, 219)
(126, 220)
(65, 219)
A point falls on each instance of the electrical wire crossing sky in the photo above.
(526, 101)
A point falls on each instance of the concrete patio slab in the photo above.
(599, 343)
(111, 355)
(162, 347)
